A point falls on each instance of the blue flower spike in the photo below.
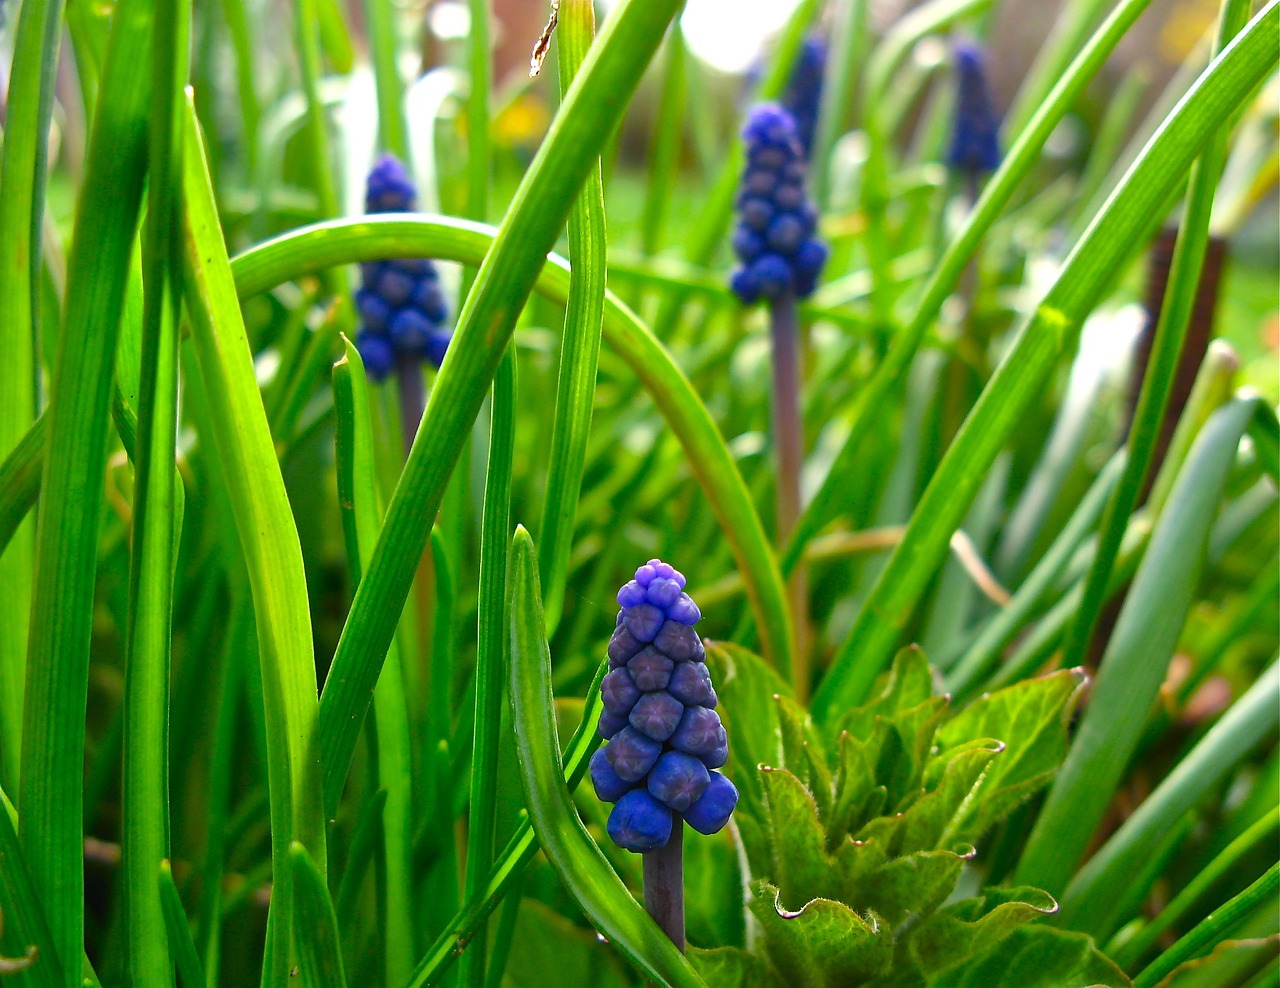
(665, 739)
(775, 237)
(402, 309)
(803, 97)
(975, 137)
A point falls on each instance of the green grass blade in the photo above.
(24, 928)
(1134, 664)
(1065, 37)
(178, 932)
(28, 111)
(318, 247)
(268, 541)
(20, 476)
(844, 67)
(156, 521)
(480, 74)
(1265, 432)
(520, 849)
(1261, 834)
(580, 344)
(996, 194)
(319, 959)
(1162, 366)
(308, 27)
(583, 869)
(357, 495)
(1213, 929)
(383, 49)
(51, 797)
(1039, 345)
(495, 523)
(668, 139)
(1249, 720)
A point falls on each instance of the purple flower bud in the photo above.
(409, 330)
(699, 732)
(678, 780)
(609, 786)
(678, 640)
(611, 724)
(632, 754)
(656, 715)
(631, 594)
(754, 213)
(639, 822)
(684, 610)
(377, 354)
(786, 233)
(650, 670)
(975, 140)
(374, 312)
(662, 593)
(644, 620)
(690, 683)
(712, 810)
(622, 646)
(619, 692)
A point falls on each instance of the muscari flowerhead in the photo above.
(774, 237)
(975, 137)
(402, 308)
(804, 90)
(665, 739)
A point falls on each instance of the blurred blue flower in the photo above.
(775, 233)
(402, 309)
(975, 137)
(803, 97)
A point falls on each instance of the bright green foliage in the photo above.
(850, 838)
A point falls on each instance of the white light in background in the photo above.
(729, 35)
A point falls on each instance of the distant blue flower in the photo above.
(804, 90)
(775, 234)
(402, 309)
(975, 138)
(665, 738)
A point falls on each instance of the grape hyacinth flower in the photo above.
(975, 142)
(774, 236)
(781, 261)
(402, 309)
(803, 97)
(664, 737)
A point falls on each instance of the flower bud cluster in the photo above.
(665, 739)
(402, 309)
(975, 141)
(775, 234)
(803, 97)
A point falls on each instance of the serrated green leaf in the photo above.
(972, 927)
(857, 796)
(822, 944)
(1030, 719)
(803, 753)
(1037, 957)
(908, 684)
(798, 865)
(729, 967)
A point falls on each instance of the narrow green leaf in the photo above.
(1018, 163)
(51, 793)
(1134, 664)
(177, 932)
(319, 959)
(384, 48)
(1162, 363)
(1038, 347)
(268, 541)
(1213, 929)
(28, 110)
(315, 248)
(23, 931)
(480, 78)
(357, 494)
(1246, 723)
(584, 870)
(502, 284)
(580, 344)
(490, 635)
(20, 476)
(156, 520)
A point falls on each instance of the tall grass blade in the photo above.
(268, 541)
(51, 793)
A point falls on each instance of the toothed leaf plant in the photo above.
(349, 370)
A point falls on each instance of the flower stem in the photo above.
(664, 884)
(413, 398)
(788, 444)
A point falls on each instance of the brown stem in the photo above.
(664, 884)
